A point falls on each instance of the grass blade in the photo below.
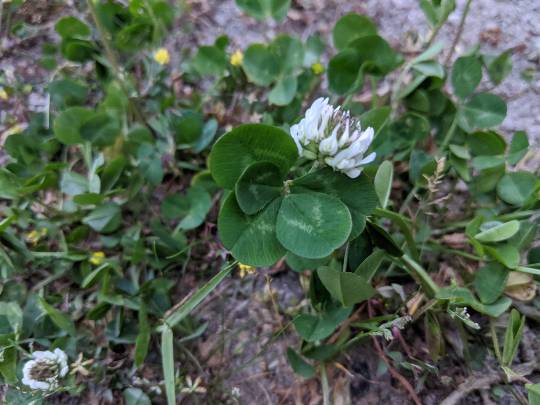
(183, 309)
(167, 361)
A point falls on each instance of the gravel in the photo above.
(496, 25)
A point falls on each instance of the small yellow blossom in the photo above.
(15, 129)
(237, 58)
(162, 56)
(97, 258)
(3, 94)
(245, 269)
(317, 68)
(35, 236)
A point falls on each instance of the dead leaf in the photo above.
(520, 286)
(455, 240)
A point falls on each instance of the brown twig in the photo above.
(459, 32)
(395, 374)
(476, 382)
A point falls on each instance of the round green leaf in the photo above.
(188, 126)
(358, 194)
(69, 27)
(251, 239)
(260, 183)
(484, 110)
(344, 72)
(210, 60)
(383, 240)
(498, 232)
(192, 207)
(318, 327)
(283, 91)
(68, 124)
(77, 50)
(347, 288)
(105, 218)
(489, 282)
(350, 27)
(484, 143)
(313, 225)
(262, 66)
(466, 75)
(377, 55)
(100, 129)
(517, 187)
(247, 144)
(261, 9)
(383, 182)
(289, 52)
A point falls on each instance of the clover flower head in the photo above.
(162, 56)
(237, 58)
(329, 134)
(463, 315)
(45, 369)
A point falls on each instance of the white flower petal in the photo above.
(367, 160)
(353, 173)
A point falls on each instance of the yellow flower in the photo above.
(162, 56)
(97, 258)
(317, 68)
(15, 129)
(245, 269)
(3, 94)
(237, 58)
(35, 236)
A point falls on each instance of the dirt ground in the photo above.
(497, 25)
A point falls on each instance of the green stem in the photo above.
(404, 225)
(183, 309)
(113, 61)
(495, 339)
(421, 275)
(434, 33)
(459, 32)
(433, 246)
(355, 339)
(324, 385)
(408, 199)
(346, 257)
(449, 134)
(504, 217)
(374, 96)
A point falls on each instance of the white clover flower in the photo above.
(45, 369)
(464, 316)
(331, 136)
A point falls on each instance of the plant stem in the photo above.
(346, 257)
(421, 275)
(433, 246)
(434, 33)
(185, 307)
(459, 32)
(408, 199)
(374, 96)
(449, 134)
(495, 339)
(113, 61)
(324, 385)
